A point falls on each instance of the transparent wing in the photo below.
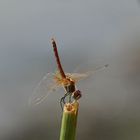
(47, 85)
(77, 76)
(80, 76)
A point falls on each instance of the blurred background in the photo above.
(89, 33)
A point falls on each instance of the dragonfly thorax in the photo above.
(68, 81)
(70, 86)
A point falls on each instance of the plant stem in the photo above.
(69, 121)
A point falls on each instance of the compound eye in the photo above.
(77, 95)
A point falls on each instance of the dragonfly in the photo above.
(53, 81)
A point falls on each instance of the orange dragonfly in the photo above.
(53, 81)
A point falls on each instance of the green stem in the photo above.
(69, 121)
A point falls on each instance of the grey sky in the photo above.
(89, 33)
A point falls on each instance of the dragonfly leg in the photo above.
(61, 103)
(62, 100)
(70, 98)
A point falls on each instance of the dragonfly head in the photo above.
(77, 94)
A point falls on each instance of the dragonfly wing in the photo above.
(77, 76)
(43, 89)
(80, 76)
